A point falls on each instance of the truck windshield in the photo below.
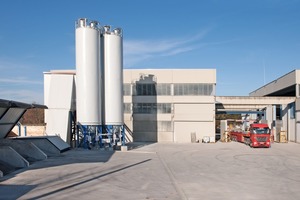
(261, 130)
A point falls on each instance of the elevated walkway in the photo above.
(250, 104)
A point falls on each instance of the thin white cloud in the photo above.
(18, 83)
(10, 64)
(22, 81)
(136, 51)
(26, 96)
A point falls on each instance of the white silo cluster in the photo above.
(99, 83)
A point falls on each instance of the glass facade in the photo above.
(193, 89)
(127, 107)
(145, 89)
(127, 89)
(164, 126)
(165, 89)
(151, 108)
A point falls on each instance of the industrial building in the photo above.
(100, 102)
(102, 106)
(288, 115)
(171, 105)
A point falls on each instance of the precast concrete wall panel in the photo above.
(58, 121)
(47, 84)
(184, 130)
(194, 112)
(194, 76)
(61, 92)
(165, 137)
(292, 131)
(172, 75)
(61, 99)
(298, 126)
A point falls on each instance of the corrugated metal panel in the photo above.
(11, 112)
(5, 129)
(2, 111)
(9, 119)
(12, 115)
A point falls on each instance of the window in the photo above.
(163, 89)
(193, 89)
(127, 89)
(151, 89)
(151, 108)
(292, 110)
(163, 108)
(278, 112)
(127, 107)
(164, 126)
(145, 89)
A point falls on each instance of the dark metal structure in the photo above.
(11, 112)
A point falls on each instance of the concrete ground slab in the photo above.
(10, 156)
(10, 160)
(162, 171)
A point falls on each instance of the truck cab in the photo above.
(259, 136)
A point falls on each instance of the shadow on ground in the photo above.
(137, 145)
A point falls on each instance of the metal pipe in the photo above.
(25, 130)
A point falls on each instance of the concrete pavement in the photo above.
(162, 171)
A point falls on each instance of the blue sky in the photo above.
(249, 42)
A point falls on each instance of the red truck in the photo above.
(257, 136)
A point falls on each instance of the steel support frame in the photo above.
(93, 135)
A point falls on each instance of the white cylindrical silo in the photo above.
(113, 77)
(88, 73)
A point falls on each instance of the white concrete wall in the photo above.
(60, 98)
(292, 130)
(30, 130)
(297, 120)
(172, 75)
(297, 126)
(184, 129)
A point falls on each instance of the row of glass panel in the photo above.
(167, 89)
(147, 108)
